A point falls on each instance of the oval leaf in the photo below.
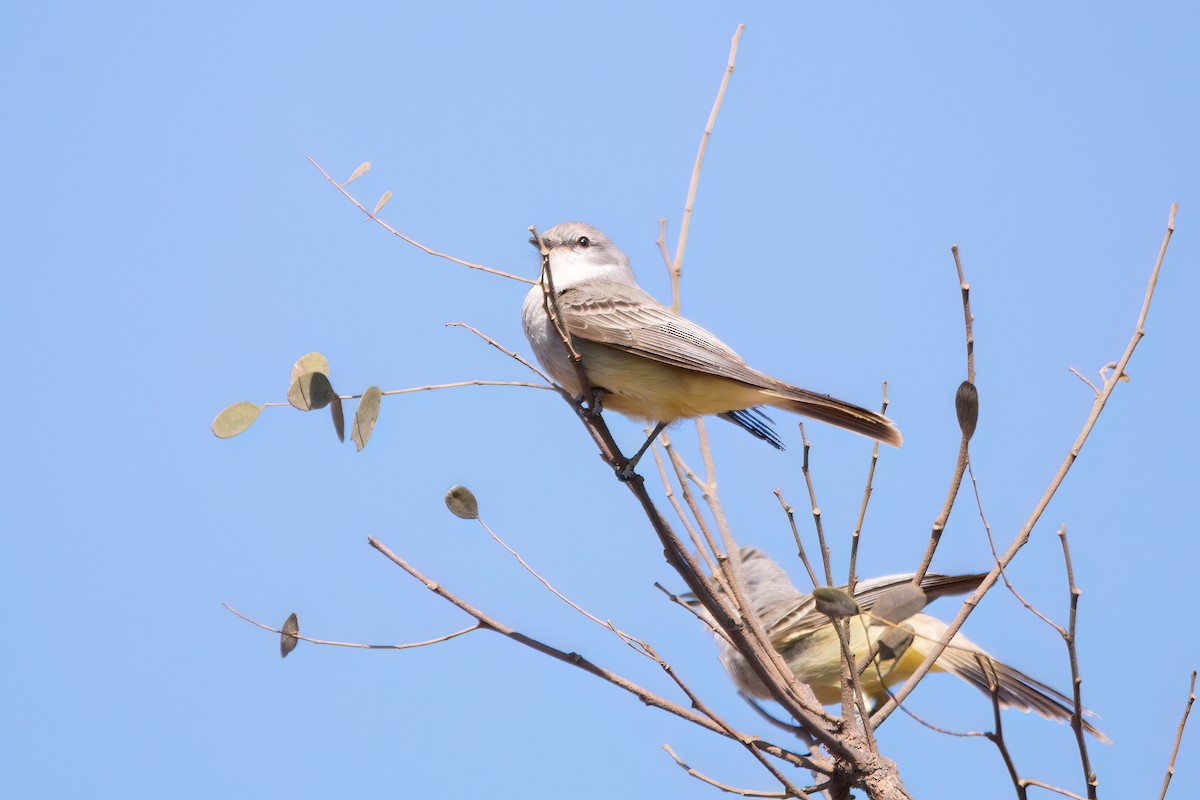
(339, 418)
(287, 638)
(358, 173)
(365, 416)
(966, 406)
(834, 602)
(462, 503)
(235, 419)
(312, 362)
(895, 642)
(311, 391)
(382, 202)
(900, 603)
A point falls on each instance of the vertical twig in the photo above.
(1089, 776)
(960, 465)
(691, 195)
(1187, 709)
(862, 511)
(816, 510)
(791, 516)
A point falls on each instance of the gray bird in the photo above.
(652, 364)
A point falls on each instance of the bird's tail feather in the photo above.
(836, 412)
(1015, 688)
(757, 423)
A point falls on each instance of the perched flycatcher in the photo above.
(650, 363)
(809, 645)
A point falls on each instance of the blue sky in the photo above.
(169, 251)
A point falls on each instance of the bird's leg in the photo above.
(595, 405)
(626, 471)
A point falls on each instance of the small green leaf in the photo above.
(288, 633)
(235, 419)
(895, 642)
(966, 406)
(339, 418)
(365, 416)
(312, 362)
(834, 602)
(358, 173)
(311, 391)
(382, 202)
(462, 503)
(899, 603)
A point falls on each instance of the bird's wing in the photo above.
(624, 316)
(803, 618)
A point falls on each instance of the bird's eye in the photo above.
(583, 241)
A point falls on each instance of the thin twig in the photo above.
(968, 319)
(1187, 709)
(406, 646)
(649, 698)
(960, 465)
(862, 511)
(413, 242)
(997, 737)
(1085, 380)
(1089, 776)
(523, 362)
(637, 644)
(457, 385)
(691, 195)
(791, 515)
(816, 510)
(795, 730)
(987, 529)
(1049, 788)
(682, 473)
(669, 490)
(725, 787)
(745, 741)
(661, 241)
(1023, 535)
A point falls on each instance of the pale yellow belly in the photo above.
(651, 391)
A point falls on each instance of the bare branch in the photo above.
(1085, 380)
(418, 245)
(725, 787)
(637, 644)
(987, 529)
(997, 737)
(1187, 709)
(1023, 535)
(1049, 788)
(862, 511)
(816, 510)
(649, 698)
(691, 195)
(1089, 776)
(960, 465)
(407, 646)
(511, 354)
(791, 515)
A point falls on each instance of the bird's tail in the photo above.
(835, 412)
(1015, 689)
